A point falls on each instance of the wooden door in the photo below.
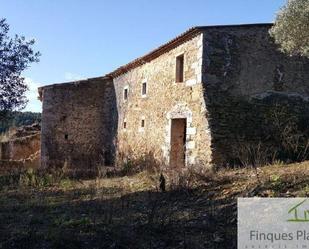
(178, 143)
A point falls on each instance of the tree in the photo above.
(291, 28)
(15, 56)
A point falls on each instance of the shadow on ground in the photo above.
(127, 212)
(90, 219)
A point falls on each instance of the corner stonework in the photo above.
(197, 65)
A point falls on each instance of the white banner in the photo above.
(273, 223)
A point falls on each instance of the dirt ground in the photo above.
(131, 212)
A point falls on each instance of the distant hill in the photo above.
(17, 119)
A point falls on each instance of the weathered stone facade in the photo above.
(21, 143)
(233, 77)
(78, 123)
(165, 100)
(248, 83)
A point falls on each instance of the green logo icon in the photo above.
(299, 212)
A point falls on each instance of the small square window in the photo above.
(66, 136)
(125, 93)
(124, 124)
(144, 89)
(179, 68)
(142, 125)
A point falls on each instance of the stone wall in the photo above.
(79, 123)
(253, 94)
(20, 148)
(239, 95)
(165, 100)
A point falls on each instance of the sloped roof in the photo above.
(189, 34)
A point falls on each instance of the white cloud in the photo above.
(34, 105)
(72, 76)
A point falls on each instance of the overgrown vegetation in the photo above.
(198, 210)
(280, 135)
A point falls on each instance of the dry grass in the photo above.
(48, 211)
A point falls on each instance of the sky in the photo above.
(81, 39)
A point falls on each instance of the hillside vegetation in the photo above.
(18, 119)
(51, 211)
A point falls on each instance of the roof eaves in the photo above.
(174, 43)
(74, 82)
(246, 25)
(156, 52)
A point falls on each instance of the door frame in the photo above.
(180, 110)
(174, 164)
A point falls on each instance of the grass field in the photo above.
(130, 212)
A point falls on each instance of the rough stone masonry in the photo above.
(215, 95)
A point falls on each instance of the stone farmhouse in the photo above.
(195, 100)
